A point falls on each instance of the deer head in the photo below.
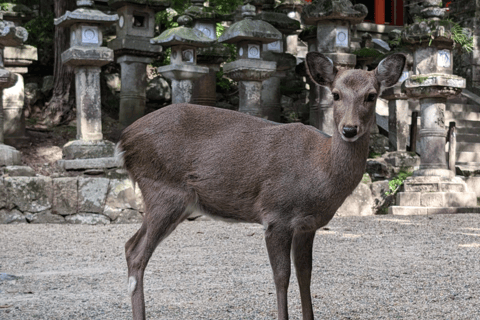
(354, 91)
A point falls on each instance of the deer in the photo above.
(290, 178)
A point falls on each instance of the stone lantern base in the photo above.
(9, 156)
(433, 194)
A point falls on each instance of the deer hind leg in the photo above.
(161, 219)
(302, 256)
(279, 241)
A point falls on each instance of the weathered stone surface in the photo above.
(9, 156)
(79, 149)
(32, 93)
(359, 203)
(11, 216)
(379, 194)
(29, 194)
(128, 216)
(402, 159)
(19, 171)
(92, 193)
(378, 169)
(120, 199)
(47, 84)
(44, 217)
(182, 71)
(3, 194)
(473, 184)
(83, 164)
(87, 218)
(159, 90)
(65, 196)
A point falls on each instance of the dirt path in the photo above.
(381, 267)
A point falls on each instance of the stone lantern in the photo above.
(184, 42)
(293, 9)
(87, 55)
(133, 51)
(205, 20)
(10, 36)
(275, 51)
(249, 69)
(433, 188)
(333, 19)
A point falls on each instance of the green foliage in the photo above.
(41, 31)
(374, 155)
(226, 6)
(223, 83)
(368, 52)
(396, 182)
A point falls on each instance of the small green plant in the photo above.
(374, 155)
(396, 182)
(223, 83)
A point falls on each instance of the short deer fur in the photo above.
(291, 178)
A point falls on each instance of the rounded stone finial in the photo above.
(185, 21)
(247, 11)
(84, 3)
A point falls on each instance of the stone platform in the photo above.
(434, 194)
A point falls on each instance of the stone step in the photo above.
(472, 130)
(460, 107)
(471, 166)
(437, 199)
(467, 157)
(412, 211)
(464, 123)
(464, 115)
(469, 137)
(468, 147)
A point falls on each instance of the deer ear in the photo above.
(390, 69)
(320, 68)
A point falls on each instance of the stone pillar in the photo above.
(433, 188)
(249, 69)
(87, 56)
(271, 95)
(133, 51)
(9, 36)
(87, 95)
(205, 19)
(333, 19)
(133, 93)
(184, 41)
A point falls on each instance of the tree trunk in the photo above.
(60, 107)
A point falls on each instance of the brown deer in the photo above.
(291, 178)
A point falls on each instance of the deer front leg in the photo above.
(302, 256)
(279, 242)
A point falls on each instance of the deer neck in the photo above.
(348, 159)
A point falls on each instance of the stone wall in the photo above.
(467, 14)
(26, 197)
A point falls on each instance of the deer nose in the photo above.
(349, 132)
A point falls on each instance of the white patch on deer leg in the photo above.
(132, 283)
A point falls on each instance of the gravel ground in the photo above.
(382, 267)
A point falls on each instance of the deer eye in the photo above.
(371, 97)
(336, 96)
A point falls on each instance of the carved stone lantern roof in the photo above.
(249, 29)
(199, 12)
(10, 35)
(84, 14)
(334, 10)
(183, 35)
(154, 4)
(280, 21)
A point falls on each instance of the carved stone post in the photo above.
(249, 69)
(87, 55)
(433, 188)
(133, 51)
(9, 36)
(333, 19)
(184, 41)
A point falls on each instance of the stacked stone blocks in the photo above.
(80, 199)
